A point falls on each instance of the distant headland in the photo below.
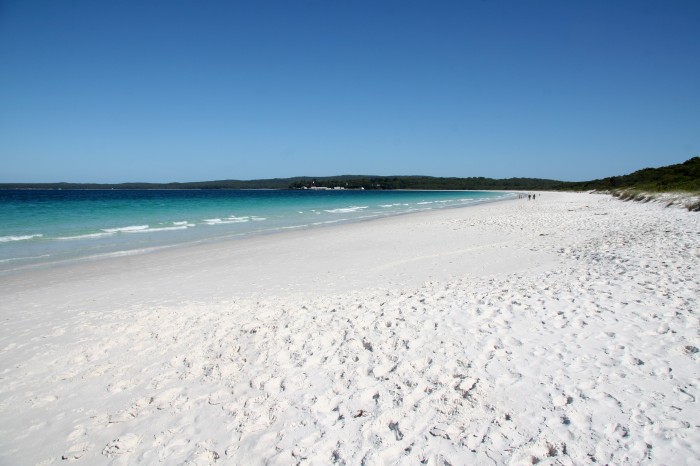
(680, 177)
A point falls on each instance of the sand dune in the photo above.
(559, 331)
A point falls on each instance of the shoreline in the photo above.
(557, 330)
(217, 258)
(68, 261)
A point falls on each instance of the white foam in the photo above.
(130, 252)
(86, 236)
(328, 222)
(223, 221)
(151, 230)
(128, 229)
(12, 259)
(7, 239)
(346, 210)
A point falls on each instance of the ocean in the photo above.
(40, 227)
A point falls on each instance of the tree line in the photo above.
(680, 177)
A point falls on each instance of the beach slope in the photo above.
(557, 331)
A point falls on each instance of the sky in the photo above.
(161, 91)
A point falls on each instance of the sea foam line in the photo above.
(106, 232)
(87, 235)
(223, 221)
(7, 239)
(328, 222)
(12, 259)
(125, 229)
(346, 210)
(149, 229)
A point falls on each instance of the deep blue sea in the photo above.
(40, 227)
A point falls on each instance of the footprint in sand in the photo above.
(539, 452)
(219, 397)
(78, 432)
(562, 400)
(616, 430)
(440, 431)
(394, 427)
(38, 402)
(173, 448)
(467, 386)
(232, 449)
(202, 456)
(131, 413)
(122, 445)
(173, 398)
(121, 386)
(76, 451)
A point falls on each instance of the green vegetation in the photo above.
(681, 177)
(426, 182)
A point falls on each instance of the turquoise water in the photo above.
(39, 227)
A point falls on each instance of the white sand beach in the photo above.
(558, 331)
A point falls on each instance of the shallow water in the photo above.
(39, 226)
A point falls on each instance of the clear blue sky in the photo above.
(116, 91)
